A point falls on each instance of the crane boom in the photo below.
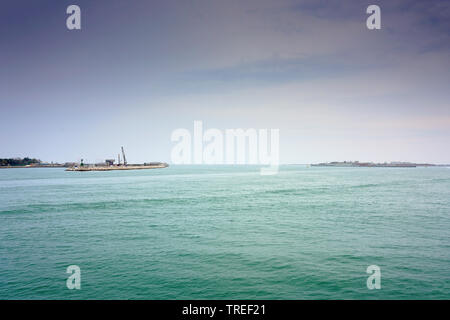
(124, 159)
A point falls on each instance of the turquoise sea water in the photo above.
(218, 232)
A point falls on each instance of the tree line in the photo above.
(18, 162)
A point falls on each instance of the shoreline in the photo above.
(19, 167)
(111, 168)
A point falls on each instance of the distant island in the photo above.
(14, 162)
(30, 163)
(372, 164)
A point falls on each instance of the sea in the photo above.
(225, 232)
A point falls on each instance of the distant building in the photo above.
(109, 162)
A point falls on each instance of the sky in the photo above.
(138, 70)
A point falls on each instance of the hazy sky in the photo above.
(140, 69)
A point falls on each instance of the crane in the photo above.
(124, 159)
